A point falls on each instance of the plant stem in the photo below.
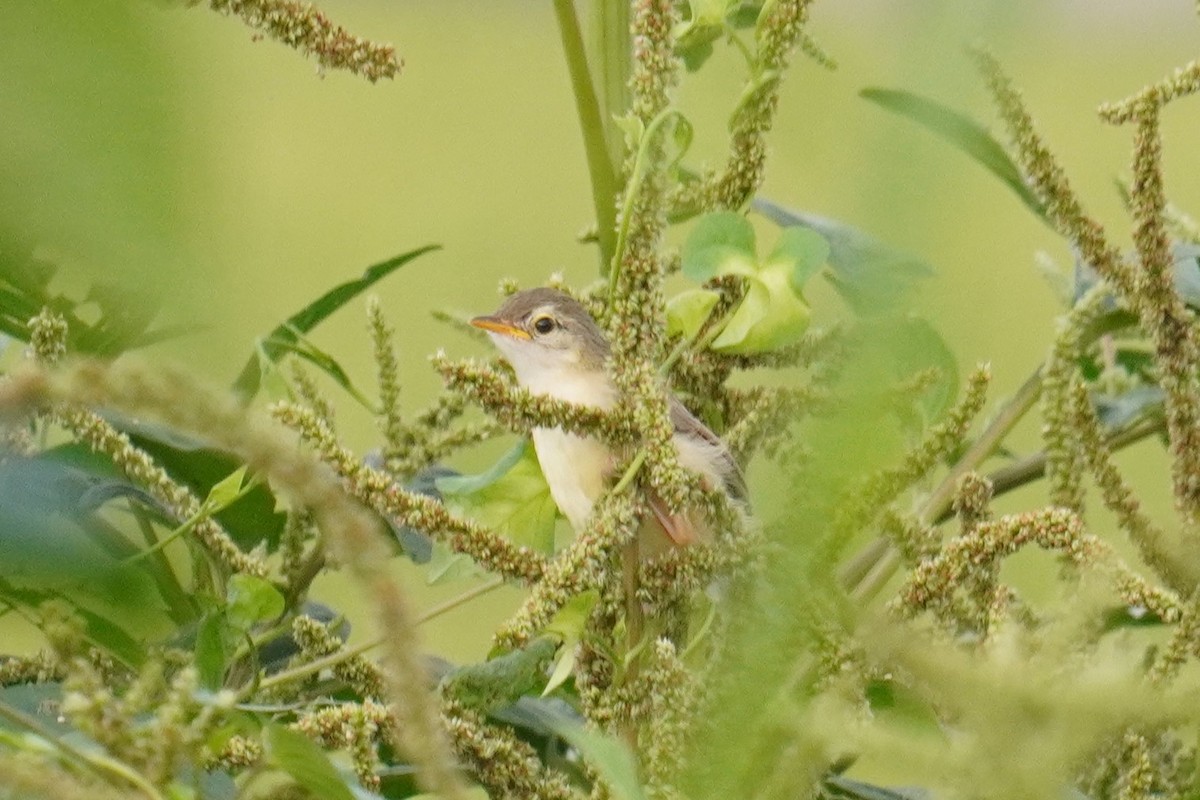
(97, 763)
(939, 501)
(591, 123)
(634, 185)
(333, 659)
(458, 600)
(610, 54)
(1004, 480)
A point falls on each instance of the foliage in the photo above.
(168, 565)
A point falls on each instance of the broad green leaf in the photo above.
(688, 311)
(750, 312)
(512, 497)
(802, 252)
(720, 243)
(251, 600)
(308, 764)
(500, 681)
(314, 313)
(608, 756)
(871, 277)
(961, 131)
(904, 346)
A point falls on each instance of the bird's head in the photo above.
(543, 332)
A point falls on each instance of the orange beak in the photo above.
(500, 326)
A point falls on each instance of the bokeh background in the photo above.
(225, 179)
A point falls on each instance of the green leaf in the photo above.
(568, 624)
(512, 497)
(750, 312)
(99, 630)
(802, 252)
(500, 681)
(905, 346)
(224, 492)
(251, 600)
(314, 313)
(308, 764)
(200, 466)
(608, 756)
(303, 348)
(871, 277)
(770, 316)
(961, 131)
(211, 652)
(720, 243)
(688, 311)
(445, 565)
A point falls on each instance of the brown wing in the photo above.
(686, 422)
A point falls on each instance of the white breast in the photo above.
(575, 467)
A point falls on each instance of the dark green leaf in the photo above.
(200, 466)
(317, 311)
(1130, 617)
(839, 787)
(308, 764)
(961, 131)
(871, 277)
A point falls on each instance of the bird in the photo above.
(556, 349)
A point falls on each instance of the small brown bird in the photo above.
(556, 349)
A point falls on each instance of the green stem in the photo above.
(870, 558)
(610, 53)
(632, 188)
(631, 472)
(1004, 480)
(333, 659)
(206, 510)
(591, 123)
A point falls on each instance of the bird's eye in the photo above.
(543, 324)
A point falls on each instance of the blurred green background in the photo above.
(162, 147)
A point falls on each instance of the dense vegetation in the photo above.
(163, 535)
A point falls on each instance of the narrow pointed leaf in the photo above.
(961, 131)
(317, 311)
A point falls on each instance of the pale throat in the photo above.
(576, 467)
